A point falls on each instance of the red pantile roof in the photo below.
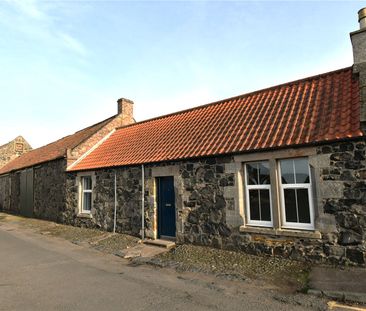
(312, 110)
(53, 150)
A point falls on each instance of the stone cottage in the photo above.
(34, 184)
(280, 171)
(13, 149)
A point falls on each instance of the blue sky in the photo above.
(63, 64)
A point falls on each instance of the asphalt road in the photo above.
(44, 273)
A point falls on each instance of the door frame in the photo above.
(150, 188)
(158, 209)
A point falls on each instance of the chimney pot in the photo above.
(362, 18)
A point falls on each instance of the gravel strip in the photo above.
(115, 243)
(278, 271)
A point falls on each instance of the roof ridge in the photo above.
(57, 140)
(86, 138)
(236, 97)
(61, 144)
(94, 124)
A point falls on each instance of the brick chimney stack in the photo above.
(358, 39)
(125, 109)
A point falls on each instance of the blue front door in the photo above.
(166, 206)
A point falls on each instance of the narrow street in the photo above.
(47, 273)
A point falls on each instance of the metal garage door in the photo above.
(26, 192)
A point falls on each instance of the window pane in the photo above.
(265, 205)
(255, 169)
(254, 204)
(302, 171)
(87, 183)
(287, 171)
(252, 173)
(290, 205)
(264, 178)
(87, 201)
(303, 205)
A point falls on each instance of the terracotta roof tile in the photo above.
(54, 150)
(312, 110)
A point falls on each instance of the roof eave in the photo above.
(29, 166)
(310, 144)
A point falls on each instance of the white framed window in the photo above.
(296, 194)
(258, 194)
(86, 194)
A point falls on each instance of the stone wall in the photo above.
(340, 207)
(204, 204)
(206, 197)
(207, 200)
(129, 188)
(49, 190)
(345, 173)
(49, 184)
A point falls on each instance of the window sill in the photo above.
(282, 232)
(85, 215)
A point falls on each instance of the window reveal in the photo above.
(86, 199)
(296, 196)
(258, 193)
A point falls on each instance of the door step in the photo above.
(141, 251)
(160, 243)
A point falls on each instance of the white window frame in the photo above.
(85, 211)
(308, 186)
(258, 223)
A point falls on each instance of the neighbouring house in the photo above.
(280, 171)
(35, 183)
(13, 149)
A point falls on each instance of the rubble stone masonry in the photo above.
(345, 169)
(128, 200)
(208, 202)
(49, 190)
(207, 199)
(13, 149)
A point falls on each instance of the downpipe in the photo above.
(142, 202)
(115, 203)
